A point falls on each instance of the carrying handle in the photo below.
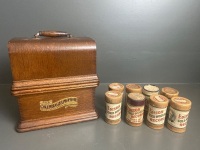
(53, 34)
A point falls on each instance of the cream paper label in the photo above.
(134, 114)
(178, 118)
(156, 115)
(113, 111)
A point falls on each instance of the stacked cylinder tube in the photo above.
(149, 100)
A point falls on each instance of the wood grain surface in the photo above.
(49, 70)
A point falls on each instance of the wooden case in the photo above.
(54, 79)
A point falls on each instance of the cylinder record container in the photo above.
(113, 101)
(178, 114)
(135, 109)
(132, 88)
(149, 90)
(157, 111)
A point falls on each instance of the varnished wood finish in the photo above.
(36, 86)
(56, 68)
(40, 58)
(32, 118)
(25, 126)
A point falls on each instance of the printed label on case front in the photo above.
(178, 118)
(156, 115)
(134, 114)
(113, 111)
(66, 102)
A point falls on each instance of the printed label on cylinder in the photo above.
(113, 111)
(156, 115)
(134, 113)
(178, 118)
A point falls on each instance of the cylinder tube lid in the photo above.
(136, 99)
(150, 89)
(113, 97)
(158, 101)
(116, 86)
(170, 92)
(180, 103)
(133, 88)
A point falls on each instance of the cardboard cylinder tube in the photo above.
(113, 101)
(157, 111)
(178, 114)
(132, 88)
(135, 109)
(149, 90)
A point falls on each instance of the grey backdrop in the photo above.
(137, 40)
